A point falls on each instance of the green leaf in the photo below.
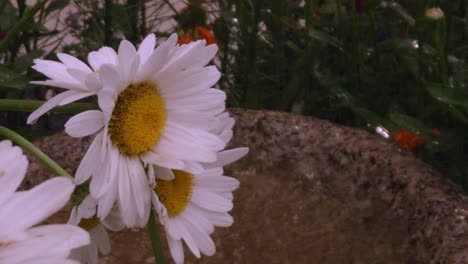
(375, 120)
(12, 79)
(402, 12)
(24, 62)
(412, 124)
(8, 16)
(323, 37)
(56, 5)
(448, 95)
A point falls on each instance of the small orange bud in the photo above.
(205, 34)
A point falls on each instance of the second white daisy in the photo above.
(190, 205)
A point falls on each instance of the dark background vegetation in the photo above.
(360, 63)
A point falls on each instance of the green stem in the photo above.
(108, 23)
(33, 150)
(155, 242)
(22, 23)
(442, 40)
(31, 105)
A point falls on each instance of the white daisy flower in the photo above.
(73, 75)
(84, 215)
(157, 107)
(20, 242)
(191, 205)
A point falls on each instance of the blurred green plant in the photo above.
(387, 64)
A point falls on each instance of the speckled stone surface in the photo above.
(314, 192)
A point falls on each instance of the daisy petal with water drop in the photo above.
(20, 240)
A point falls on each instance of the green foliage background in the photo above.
(354, 62)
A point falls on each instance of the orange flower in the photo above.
(185, 39)
(436, 131)
(407, 139)
(204, 33)
(197, 33)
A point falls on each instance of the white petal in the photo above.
(126, 55)
(217, 183)
(62, 84)
(187, 237)
(105, 207)
(147, 47)
(113, 220)
(106, 101)
(162, 160)
(188, 82)
(195, 215)
(202, 239)
(73, 62)
(76, 97)
(54, 70)
(74, 217)
(53, 102)
(110, 77)
(164, 173)
(13, 166)
(140, 188)
(90, 161)
(151, 176)
(125, 196)
(28, 208)
(157, 59)
(192, 119)
(85, 123)
(104, 55)
(177, 251)
(87, 208)
(228, 156)
(93, 83)
(219, 219)
(193, 167)
(102, 239)
(211, 201)
(47, 242)
(133, 69)
(209, 100)
(183, 59)
(103, 179)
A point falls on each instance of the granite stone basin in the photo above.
(313, 192)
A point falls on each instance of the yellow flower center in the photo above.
(90, 223)
(175, 194)
(138, 119)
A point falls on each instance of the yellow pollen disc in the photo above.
(138, 119)
(175, 194)
(90, 223)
